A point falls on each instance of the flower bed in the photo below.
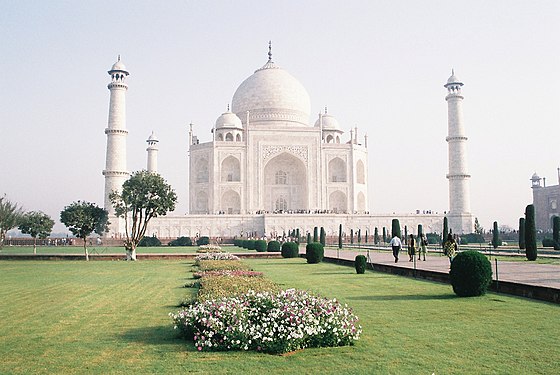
(233, 273)
(209, 249)
(216, 256)
(270, 322)
(217, 265)
(216, 287)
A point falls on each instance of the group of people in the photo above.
(420, 244)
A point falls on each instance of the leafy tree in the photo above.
(478, 229)
(36, 224)
(376, 236)
(395, 228)
(84, 218)
(530, 233)
(556, 232)
(340, 236)
(144, 195)
(521, 233)
(10, 217)
(496, 236)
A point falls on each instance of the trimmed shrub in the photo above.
(521, 233)
(360, 264)
(530, 233)
(273, 246)
(340, 236)
(556, 232)
(470, 274)
(314, 252)
(322, 236)
(395, 228)
(315, 234)
(251, 244)
(203, 241)
(445, 230)
(260, 246)
(149, 242)
(244, 244)
(181, 241)
(496, 236)
(308, 237)
(290, 250)
(548, 242)
(471, 238)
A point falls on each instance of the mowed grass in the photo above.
(111, 317)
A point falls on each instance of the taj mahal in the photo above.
(269, 169)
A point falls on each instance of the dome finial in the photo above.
(270, 51)
(452, 71)
(325, 110)
(119, 59)
(228, 107)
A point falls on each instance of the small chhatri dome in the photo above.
(453, 80)
(152, 138)
(535, 177)
(119, 66)
(329, 122)
(228, 120)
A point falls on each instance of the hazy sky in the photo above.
(377, 65)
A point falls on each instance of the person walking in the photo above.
(396, 244)
(450, 247)
(411, 248)
(422, 244)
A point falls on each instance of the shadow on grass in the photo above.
(159, 335)
(410, 297)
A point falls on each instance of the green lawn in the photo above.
(110, 250)
(111, 317)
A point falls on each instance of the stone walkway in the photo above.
(523, 272)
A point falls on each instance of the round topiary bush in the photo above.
(203, 241)
(360, 264)
(251, 244)
(470, 274)
(290, 250)
(149, 242)
(314, 252)
(181, 241)
(260, 246)
(273, 246)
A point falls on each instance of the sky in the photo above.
(378, 65)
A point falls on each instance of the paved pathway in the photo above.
(523, 272)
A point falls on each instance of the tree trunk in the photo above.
(85, 250)
(130, 253)
(34, 245)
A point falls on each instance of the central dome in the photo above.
(272, 94)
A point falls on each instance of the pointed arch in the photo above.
(231, 169)
(338, 202)
(231, 202)
(285, 176)
(360, 172)
(337, 170)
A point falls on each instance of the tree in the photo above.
(395, 228)
(340, 236)
(84, 218)
(144, 195)
(445, 230)
(556, 232)
(351, 236)
(477, 227)
(420, 231)
(375, 236)
(366, 237)
(322, 236)
(496, 236)
(530, 233)
(384, 235)
(405, 234)
(10, 217)
(359, 235)
(36, 224)
(522, 233)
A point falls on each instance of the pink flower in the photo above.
(199, 348)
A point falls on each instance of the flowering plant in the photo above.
(215, 256)
(232, 273)
(209, 249)
(270, 322)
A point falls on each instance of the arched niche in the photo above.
(231, 202)
(231, 169)
(338, 202)
(337, 170)
(360, 172)
(285, 177)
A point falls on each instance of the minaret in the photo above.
(152, 153)
(115, 167)
(459, 215)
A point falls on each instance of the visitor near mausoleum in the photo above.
(396, 244)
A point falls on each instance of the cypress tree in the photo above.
(340, 236)
(384, 234)
(405, 235)
(308, 238)
(365, 240)
(359, 235)
(376, 236)
(352, 236)
(496, 236)
(297, 235)
(322, 239)
(420, 230)
(530, 233)
(315, 234)
(556, 232)
(395, 228)
(522, 233)
(445, 229)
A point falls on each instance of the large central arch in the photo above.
(285, 184)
